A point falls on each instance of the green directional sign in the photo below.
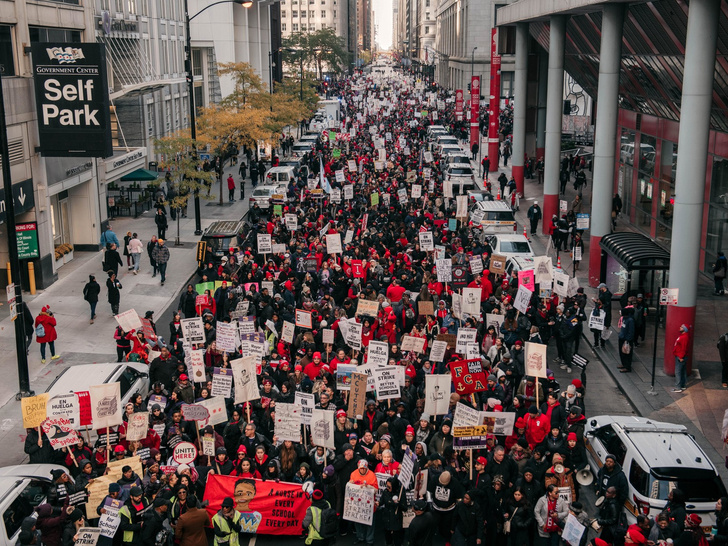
(27, 236)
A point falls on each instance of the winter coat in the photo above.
(91, 291)
(113, 290)
(49, 325)
(390, 512)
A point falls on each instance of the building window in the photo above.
(119, 5)
(75, 2)
(323, 14)
(7, 62)
(294, 27)
(47, 34)
(168, 115)
(150, 119)
(507, 40)
(311, 14)
(105, 5)
(197, 62)
(143, 7)
(427, 30)
(334, 12)
(427, 15)
(131, 6)
(283, 13)
(295, 14)
(303, 27)
(427, 3)
(283, 27)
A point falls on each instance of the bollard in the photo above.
(31, 277)
(10, 275)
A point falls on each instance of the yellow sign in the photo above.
(478, 430)
(201, 251)
(34, 410)
(114, 467)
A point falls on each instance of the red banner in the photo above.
(84, 408)
(459, 104)
(268, 508)
(357, 269)
(494, 99)
(468, 376)
(474, 110)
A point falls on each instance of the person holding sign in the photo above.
(365, 477)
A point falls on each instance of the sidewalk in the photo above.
(82, 343)
(701, 407)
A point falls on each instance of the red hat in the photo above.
(340, 413)
(571, 436)
(318, 495)
(497, 407)
(518, 342)
(242, 449)
(600, 542)
(576, 383)
(119, 449)
(482, 460)
(409, 430)
(183, 377)
(267, 381)
(694, 520)
(520, 423)
(317, 355)
(45, 309)
(298, 368)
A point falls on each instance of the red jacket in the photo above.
(680, 349)
(49, 324)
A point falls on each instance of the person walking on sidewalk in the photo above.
(135, 248)
(720, 267)
(534, 215)
(626, 339)
(112, 260)
(243, 170)
(126, 252)
(723, 351)
(161, 257)
(91, 295)
(231, 188)
(45, 332)
(680, 350)
(113, 287)
(161, 220)
(151, 245)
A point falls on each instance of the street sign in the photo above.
(27, 236)
(23, 198)
(668, 296)
(10, 291)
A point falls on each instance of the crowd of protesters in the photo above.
(508, 493)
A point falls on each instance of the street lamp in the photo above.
(191, 88)
(472, 63)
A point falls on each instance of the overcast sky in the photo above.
(383, 20)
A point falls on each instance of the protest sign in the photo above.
(498, 422)
(476, 264)
(357, 396)
(437, 352)
(536, 362)
(465, 336)
(527, 278)
(34, 410)
(307, 403)
(444, 270)
(416, 191)
(193, 330)
(333, 243)
(426, 308)
(412, 343)
(288, 333)
(87, 536)
(427, 242)
(245, 379)
(197, 366)
(222, 382)
(265, 243)
(406, 468)
(523, 299)
(378, 353)
(468, 376)
(596, 322)
(353, 335)
(561, 283)
(497, 264)
(106, 405)
(542, 270)
(359, 504)
(291, 222)
(195, 412)
(137, 427)
(128, 320)
(288, 422)
(322, 428)
(216, 409)
(267, 507)
(110, 520)
(459, 276)
(61, 433)
(387, 383)
(66, 406)
(304, 319)
(327, 336)
(367, 307)
(343, 375)
(437, 394)
(471, 301)
(573, 531)
(227, 337)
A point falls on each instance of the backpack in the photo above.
(329, 523)
(40, 331)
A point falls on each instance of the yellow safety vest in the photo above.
(315, 527)
(128, 536)
(233, 538)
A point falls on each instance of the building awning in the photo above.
(635, 251)
(140, 175)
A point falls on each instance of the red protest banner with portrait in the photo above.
(468, 376)
(268, 508)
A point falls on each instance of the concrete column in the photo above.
(554, 112)
(696, 102)
(605, 137)
(543, 66)
(520, 84)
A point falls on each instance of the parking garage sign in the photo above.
(72, 99)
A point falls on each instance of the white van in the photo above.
(279, 175)
(493, 217)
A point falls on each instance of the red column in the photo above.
(459, 104)
(595, 261)
(517, 171)
(474, 110)
(550, 208)
(676, 317)
(494, 107)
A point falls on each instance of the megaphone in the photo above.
(585, 477)
(559, 468)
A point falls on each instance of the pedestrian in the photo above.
(534, 215)
(577, 255)
(506, 154)
(313, 521)
(616, 209)
(112, 260)
(108, 236)
(126, 252)
(486, 166)
(719, 271)
(151, 245)
(161, 257)
(680, 351)
(231, 188)
(550, 511)
(723, 351)
(123, 343)
(626, 339)
(113, 287)
(45, 332)
(153, 523)
(160, 219)
(187, 302)
(474, 150)
(422, 528)
(254, 173)
(243, 173)
(91, 295)
(136, 248)
(226, 524)
(190, 527)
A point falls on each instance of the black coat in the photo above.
(390, 511)
(422, 529)
(39, 454)
(163, 371)
(521, 518)
(153, 523)
(91, 291)
(113, 287)
(468, 518)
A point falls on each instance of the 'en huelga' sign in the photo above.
(72, 98)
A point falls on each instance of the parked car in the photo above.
(263, 194)
(302, 148)
(492, 216)
(656, 458)
(22, 489)
(510, 245)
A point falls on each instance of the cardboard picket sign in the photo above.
(497, 264)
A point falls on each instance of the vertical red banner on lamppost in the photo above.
(494, 108)
(459, 104)
(474, 110)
